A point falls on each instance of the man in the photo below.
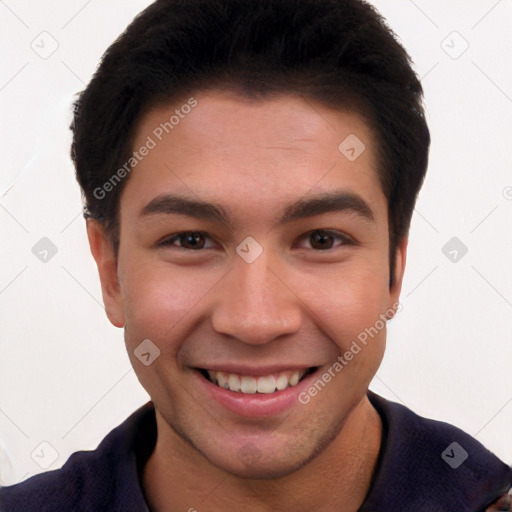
(250, 171)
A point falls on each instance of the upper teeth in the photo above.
(261, 384)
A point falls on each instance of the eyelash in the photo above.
(171, 239)
(345, 239)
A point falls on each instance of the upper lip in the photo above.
(254, 370)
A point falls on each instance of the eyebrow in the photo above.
(328, 202)
(178, 205)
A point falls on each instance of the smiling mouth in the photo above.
(262, 384)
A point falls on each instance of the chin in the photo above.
(262, 468)
(272, 458)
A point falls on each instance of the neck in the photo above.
(177, 477)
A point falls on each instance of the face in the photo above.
(253, 254)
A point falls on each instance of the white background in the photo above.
(65, 378)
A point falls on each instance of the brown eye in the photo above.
(190, 240)
(321, 240)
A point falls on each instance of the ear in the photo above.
(103, 253)
(396, 285)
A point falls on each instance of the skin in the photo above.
(294, 305)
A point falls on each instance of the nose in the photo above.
(255, 305)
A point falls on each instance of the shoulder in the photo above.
(432, 465)
(62, 489)
(96, 480)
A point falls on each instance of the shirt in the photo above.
(423, 466)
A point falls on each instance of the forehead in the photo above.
(226, 147)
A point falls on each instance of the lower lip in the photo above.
(257, 405)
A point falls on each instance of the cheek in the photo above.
(157, 301)
(348, 305)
